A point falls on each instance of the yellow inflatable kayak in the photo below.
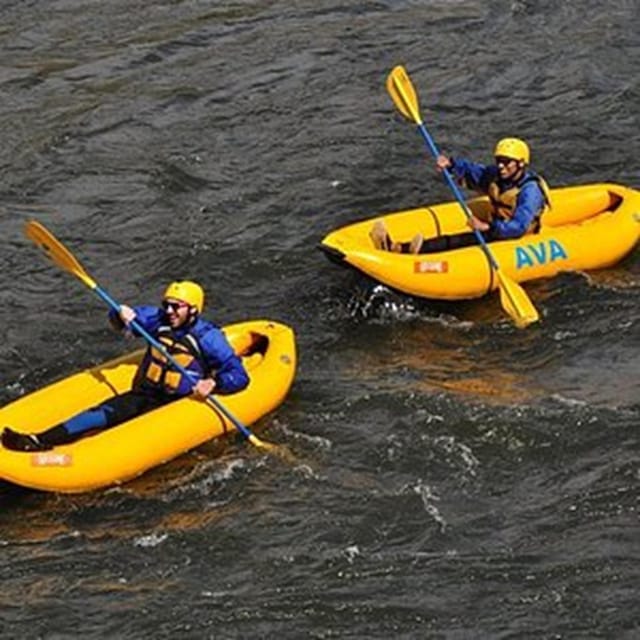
(588, 227)
(123, 452)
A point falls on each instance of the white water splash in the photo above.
(462, 451)
(352, 552)
(317, 441)
(429, 498)
(307, 472)
(569, 402)
(152, 540)
(381, 302)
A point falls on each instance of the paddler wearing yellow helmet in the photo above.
(198, 345)
(518, 195)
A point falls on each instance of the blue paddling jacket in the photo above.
(200, 347)
(518, 204)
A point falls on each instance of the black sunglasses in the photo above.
(172, 305)
(503, 160)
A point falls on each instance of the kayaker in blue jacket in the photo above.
(198, 345)
(518, 197)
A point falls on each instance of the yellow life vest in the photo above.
(157, 372)
(504, 202)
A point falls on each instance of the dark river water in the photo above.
(455, 477)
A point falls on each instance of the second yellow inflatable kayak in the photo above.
(588, 227)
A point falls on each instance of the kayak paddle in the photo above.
(512, 296)
(61, 256)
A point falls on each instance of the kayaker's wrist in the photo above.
(451, 167)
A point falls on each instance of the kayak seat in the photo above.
(254, 352)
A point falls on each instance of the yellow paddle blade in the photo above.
(403, 94)
(261, 444)
(280, 450)
(56, 251)
(516, 302)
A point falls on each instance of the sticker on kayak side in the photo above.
(51, 459)
(428, 266)
(540, 253)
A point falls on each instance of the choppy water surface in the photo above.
(456, 477)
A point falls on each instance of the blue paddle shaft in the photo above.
(459, 197)
(162, 349)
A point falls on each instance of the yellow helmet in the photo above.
(186, 291)
(513, 148)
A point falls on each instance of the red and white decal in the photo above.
(51, 459)
(428, 266)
